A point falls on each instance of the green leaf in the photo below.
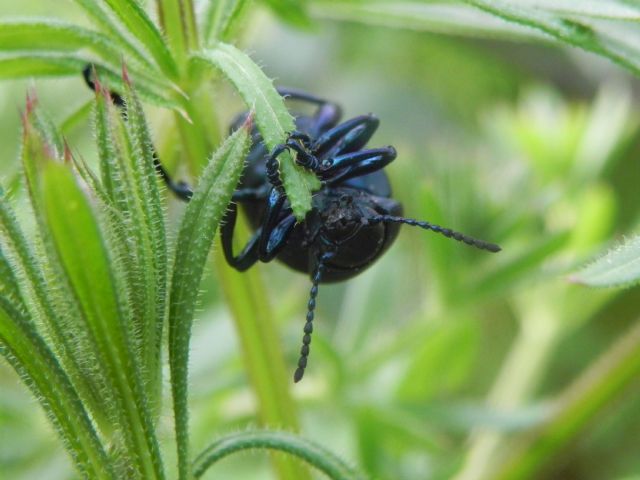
(220, 19)
(437, 17)
(149, 214)
(138, 23)
(77, 117)
(197, 229)
(58, 65)
(291, 11)
(618, 267)
(40, 65)
(29, 355)
(57, 308)
(135, 224)
(317, 456)
(433, 371)
(78, 242)
(98, 13)
(9, 289)
(586, 28)
(272, 117)
(50, 36)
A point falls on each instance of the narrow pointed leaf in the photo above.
(200, 222)
(36, 271)
(28, 354)
(572, 26)
(50, 36)
(138, 23)
(221, 18)
(155, 90)
(437, 17)
(98, 13)
(272, 117)
(150, 215)
(78, 242)
(291, 11)
(135, 226)
(618, 267)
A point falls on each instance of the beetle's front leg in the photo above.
(350, 165)
(349, 136)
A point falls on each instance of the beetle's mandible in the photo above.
(353, 219)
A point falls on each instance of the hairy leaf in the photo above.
(197, 229)
(618, 267)
(272, 117)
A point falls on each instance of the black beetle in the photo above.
(353, 219)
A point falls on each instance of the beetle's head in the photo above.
(342, 218)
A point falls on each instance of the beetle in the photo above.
(353, 218)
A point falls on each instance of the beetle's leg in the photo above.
(311, 306)
(303, 158)
(277, 224)
(447, 232)
(181, 189)
(327, 115)
(349, 165)
(273, 172)
(347, 137)
(250, 194)
(249, 254)
(87, 74)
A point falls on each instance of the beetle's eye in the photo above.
(326, 163)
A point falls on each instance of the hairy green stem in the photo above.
(313, 454)
(177, 19)
(253, 318)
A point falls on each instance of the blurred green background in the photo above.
(440, 361)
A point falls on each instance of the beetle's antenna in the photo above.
(308, 326)
(447, 232)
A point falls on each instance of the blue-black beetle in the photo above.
(353, 219)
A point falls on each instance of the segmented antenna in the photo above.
(308, 326)
(447, 232)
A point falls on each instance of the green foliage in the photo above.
(441, 362)
(618, 267)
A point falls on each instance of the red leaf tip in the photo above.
(248, 122)
(68, 157)
(32, 101)
(125, 74)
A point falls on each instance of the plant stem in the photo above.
(594, 390)
(178, 23)
(521, 371)
(246, 297)
(322, 459)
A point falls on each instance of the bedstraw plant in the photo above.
(100, 283)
